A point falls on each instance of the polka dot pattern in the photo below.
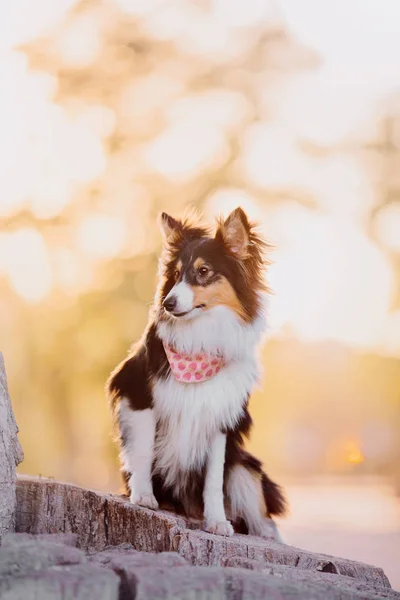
(193, 368)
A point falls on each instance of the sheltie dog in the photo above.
(180, 398)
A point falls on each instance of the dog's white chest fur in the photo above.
(189, 415)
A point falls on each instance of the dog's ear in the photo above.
(234, 232)
(169, 226)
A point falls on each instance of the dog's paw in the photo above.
(266, 529)
(219, 528)
(269, 530)
(146, 500)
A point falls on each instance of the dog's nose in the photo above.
(169, 303)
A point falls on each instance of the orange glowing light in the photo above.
(354, 455)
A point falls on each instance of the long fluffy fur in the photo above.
(189, 416)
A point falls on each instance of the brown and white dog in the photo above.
(180, 399)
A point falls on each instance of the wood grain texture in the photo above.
(47, 566)
(307, 576)
(102, 520)
(10, 456)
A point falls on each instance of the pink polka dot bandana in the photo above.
(193, 368)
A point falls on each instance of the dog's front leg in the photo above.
(213, 495)
(138, 433)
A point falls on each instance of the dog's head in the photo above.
(201, 271)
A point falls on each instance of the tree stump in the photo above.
(10, 456)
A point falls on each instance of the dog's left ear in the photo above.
(169, 226)
(234, 233)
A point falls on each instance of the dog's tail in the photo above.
(274, 496)
(124, 490)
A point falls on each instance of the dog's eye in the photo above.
(203, 271)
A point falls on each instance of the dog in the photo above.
(180, 398)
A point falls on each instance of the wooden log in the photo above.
(99, 520)
(10, 456)
(201, 548)
(75, 582)
(102, 520)
(46, 566)
(307, 576)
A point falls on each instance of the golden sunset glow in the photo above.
(355, 456)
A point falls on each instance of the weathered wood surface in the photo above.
(10, 456)
(304, 575)
(44, 569)
(99, 520)
(103, 520)
(47, 567)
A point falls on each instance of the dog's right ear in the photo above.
(234, 233)
(169, 226)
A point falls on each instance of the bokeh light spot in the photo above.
(101, 236)
(25, 260)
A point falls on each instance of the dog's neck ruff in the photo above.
(193, 368)
(218, 331)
